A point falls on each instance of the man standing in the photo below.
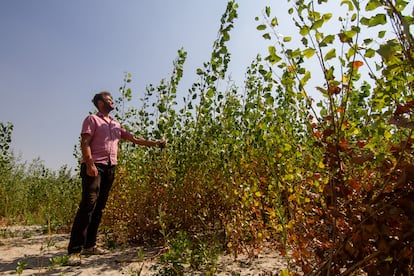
(100, 136)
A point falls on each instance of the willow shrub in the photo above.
(267, 163)
(32, 194)
(352, 209)
(227, 156)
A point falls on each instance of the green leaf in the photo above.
(250, 105)
(327, 16)
(306, 78)
(379, 19)
(273, 57)
(314, 15)
(304, 41)
(365, 21)
(351, 33)
(267, 36)
(387, 51)
(322, 90)
(400, 5)
(330, 73)
(267, 10)
(274, 22)
(369, 53)
(309, 52)
(272, 50)
(381, 34)
(327, 40)
(162, 108)
(304, 30)
(372, 5)
(330, 55)
(226, 36)
(317, 24)
(354, 17)
(368, 41)
(349, 3)
(351, 52)
(210, 93)
(269, 99)
(345, 38)
(261, 27)
(287, 38)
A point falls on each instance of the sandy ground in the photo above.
(33, 251)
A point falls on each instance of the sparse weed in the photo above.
(183, 253)
(59, 260)
(21, 265)
(137, 272)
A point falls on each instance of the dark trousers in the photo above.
(95, 192)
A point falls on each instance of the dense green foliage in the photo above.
(360, 208)
(322, 172)
(312, 155)
(33, 194)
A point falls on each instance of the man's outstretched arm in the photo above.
(144, 142)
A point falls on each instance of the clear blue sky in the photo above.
(54, 55)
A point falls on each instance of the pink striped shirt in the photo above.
(105, 138)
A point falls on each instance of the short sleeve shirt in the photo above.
(105, 138)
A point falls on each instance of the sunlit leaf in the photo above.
(309, 52)
(306, 78)
(327, 16)
(345, 38)
(267, 36)
(304, 30)
(372, 5)
(349, 3)
(267, 10)
(210, 93)
(327, 40)
(317, 24)
(162, 108)
(321, 165)
(368, 41)
(273, 58)
(387, 51)
(330, 55)
(351, 52)
(379, 19)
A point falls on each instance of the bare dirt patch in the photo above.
(36, 253)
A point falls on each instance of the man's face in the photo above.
(108, 104)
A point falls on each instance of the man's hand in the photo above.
(91, 170)
(148, 143)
